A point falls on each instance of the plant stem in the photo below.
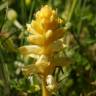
(23, 11)
(72, 10)
(31, 10)
(44, 89)
(4, 5)
(81, 15)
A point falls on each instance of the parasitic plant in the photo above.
(45, 33)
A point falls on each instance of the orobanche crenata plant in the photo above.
(45, 38)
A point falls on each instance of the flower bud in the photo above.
(51, 83)
(11, 15)
(28, 2)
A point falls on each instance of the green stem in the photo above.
(72, 10)
(51, 2)
(23, 11)
(4, 5)
(81, 15)
(31, 10)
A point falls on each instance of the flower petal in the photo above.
(54, 35)
(37, 27)
(29, 70)
(31, 49)
(31, 30)
(36, 39)
(42, 65)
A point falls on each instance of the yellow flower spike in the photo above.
(48, 18)
(45, 35)
(36, 39)
(45, 12)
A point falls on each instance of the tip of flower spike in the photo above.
(48, 17)
(45, 11)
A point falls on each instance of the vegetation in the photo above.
(47, 47)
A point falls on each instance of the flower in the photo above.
(44, 39)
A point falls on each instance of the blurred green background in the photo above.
(79, 78)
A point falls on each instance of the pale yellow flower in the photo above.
(44, 39)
